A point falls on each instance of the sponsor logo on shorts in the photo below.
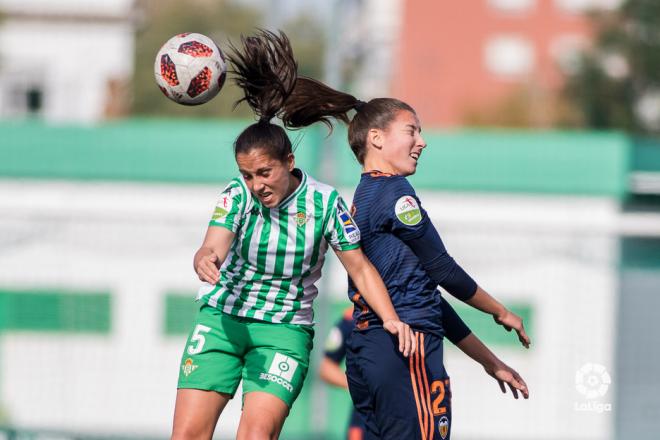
(407, 210)
(443, 427)
(281, 371)
(188, 367)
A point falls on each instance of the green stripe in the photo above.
(262, 252)
(283, 291)
(319, 228)
(299, 257)
(55, 310)
(278, 268)
(245, 248)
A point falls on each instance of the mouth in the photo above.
(415, 155)
(266, 197)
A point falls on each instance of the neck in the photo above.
(294, 181)
(377, 164)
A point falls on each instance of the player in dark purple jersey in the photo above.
(456, 331)
(397, 397)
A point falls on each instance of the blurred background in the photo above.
(542, 174)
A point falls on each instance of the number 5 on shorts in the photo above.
(198, 339)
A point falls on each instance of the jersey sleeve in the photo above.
(335, 342)
(230, 208)
(341, 231)
(402, 215)
(401, 212)
(455, 328)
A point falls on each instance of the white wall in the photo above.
(137, 241)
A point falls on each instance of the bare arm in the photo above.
(473, 347)
(212, 253)
(483, 301)
(330, 372)
(373, 290)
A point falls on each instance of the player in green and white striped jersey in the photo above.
(270, 270)
(263, 252)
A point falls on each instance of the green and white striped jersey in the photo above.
(277, 254)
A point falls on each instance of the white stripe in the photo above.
(307, 255)
(289, 257)
(271, 253)
(252, 257)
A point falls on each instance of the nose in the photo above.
(420, 141)
(258, 184)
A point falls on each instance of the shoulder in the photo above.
(236, 193)
(320, 187)
(398, 186)
(328, 193)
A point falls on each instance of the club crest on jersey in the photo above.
(188, 367)
(407, 211)
(350, 228)
(443, 427)
(301, 218)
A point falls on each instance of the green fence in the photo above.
(584, 163)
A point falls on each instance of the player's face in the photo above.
(268, 179)
(402, 144)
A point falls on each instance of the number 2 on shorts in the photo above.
(198, 339)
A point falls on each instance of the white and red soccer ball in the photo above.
(190, 69)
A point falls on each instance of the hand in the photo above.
(206, 268)
(510, 320)
(505, 374)
(407, 344)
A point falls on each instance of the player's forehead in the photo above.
(406, 119)
(256, 159)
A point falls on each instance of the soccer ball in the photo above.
(190, 69)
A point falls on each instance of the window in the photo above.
(581, 6)
(509, 56)
(512, 5)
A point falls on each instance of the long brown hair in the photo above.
(266, 70)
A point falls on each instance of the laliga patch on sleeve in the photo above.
(407, 211)
(224, 205)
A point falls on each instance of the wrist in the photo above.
(500, 312)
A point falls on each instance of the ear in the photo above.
(375, 138)
(291, 162)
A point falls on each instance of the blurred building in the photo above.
(65, 60)
(458, 61)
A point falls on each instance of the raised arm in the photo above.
(373, 290)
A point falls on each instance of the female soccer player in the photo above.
(398, 398)
(263, 252)
(455, 330)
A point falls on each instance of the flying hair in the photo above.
(265, 69)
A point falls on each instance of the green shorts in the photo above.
(223, 349)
